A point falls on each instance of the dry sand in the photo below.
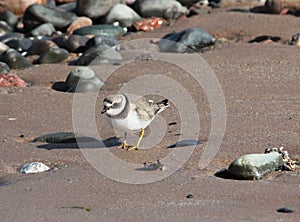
(261, 88)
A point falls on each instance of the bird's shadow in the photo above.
(79, 143)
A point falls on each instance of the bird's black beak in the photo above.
(104, 110)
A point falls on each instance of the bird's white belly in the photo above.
(130, 123)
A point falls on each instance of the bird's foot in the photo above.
(130, 148)
(124, 145)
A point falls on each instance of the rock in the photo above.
(11, 35)
(18, 7)
(167, 9)
(189, 40)
(282, 6)
(61, 137)
(67, 7)
(34, 167)
(36, 15)
(149, 24)
(14, 59)
(285, 210)
(3, 47)
(103, 29)
(4, 68)
(295, 40)
(255, 166)
(46, 29)
(103, 39)
(99, 54)
(9, 17)
(11, 80)
(64, 1)
(76, 43)
(53, 55)
(94, 8)
(79, 23)
(87, 79)
(40, 46)
(22, 45)
(124, 15)
(4, 28)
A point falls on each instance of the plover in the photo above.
(129, 113)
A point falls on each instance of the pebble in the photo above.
(53, 55)
(255, 166)
(34, 167)
(9, 36)
(83, 79)
(36, 15)
(9, 17)
(149, 24)
(46, 29)
(75, 43)
(94, 8)
(3, 47)
(4, 68)
(39, 46)
(102, 29)
(284, 210)
(124, 15)
(20, 44)
(189, 196)
(14, 59)
(79, 23)
(282, 6)
(167, 9)
(4, 28)
(99, 54)
(103, 39)
(189, 40)
(11, 80)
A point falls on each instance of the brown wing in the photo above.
(145, 109)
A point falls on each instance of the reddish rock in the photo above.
(149, 24)
(78, 23)
(10, 80)
(18, 7)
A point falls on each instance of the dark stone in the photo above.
(189, 40)
(189, 196)
(99, 54)
(9, 36)
(4, 68)
(10, 18)
(84, 86)
(68, 7)
(46, 29)
(103, 39)
(76, 43)
(284, 210)
(37, 14)
(104, 29)
(53, 55)
(94, 8)
(4, 28)
(21, 44)
(14, 59)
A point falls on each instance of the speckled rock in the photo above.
(46, 29)
(83, 79)
(4, 68)
(94, 8)
(14, 59)
(255, 166)
(122, 14)
(11, 80)
(36, 15)
(189, 40)
(53, 55)
(99, 54)
(79, 23)
(103, 29)
(167, 9)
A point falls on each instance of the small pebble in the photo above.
(189, 196)
(284, 210)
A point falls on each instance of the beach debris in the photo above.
(11, 80)
(256, 166)
(62, 137)
(149, 24)
(78, 207)
(189, 196)
(154, 166)
(189, 40)
(34, 167)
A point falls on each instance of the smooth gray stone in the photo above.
(4, 68)
(9, 17)
(79, 73)
(189, 40)
(255, 166)
(14, 59)
(11, 35)
(76, 43)
(99, 54)
(37, 14)
(167, 9)
(123, 14)
(104, 39)
(84, 86)
(46, 29)
(103, 29)
(53, 55)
